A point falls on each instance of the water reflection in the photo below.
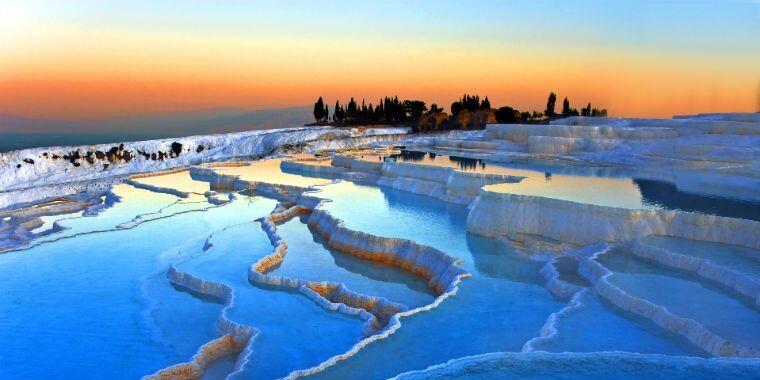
(268, 171)
(667, 195)
(178, 180)
(465, 164)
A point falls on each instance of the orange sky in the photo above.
(59, 68)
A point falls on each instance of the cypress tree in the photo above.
(319, 109)
(486, 104)
(550, 103)
(565, 107)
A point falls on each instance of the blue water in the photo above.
(468, 323)
(739, 259)
(685, 297)
(98, 304)
(93, 300)
(603, 365)
(309, 259)
(83, 308)
(567, 268)
(594, 326)
(499, 274)
(295, 332)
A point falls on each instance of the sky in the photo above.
(97, 59)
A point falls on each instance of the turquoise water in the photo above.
(603, 365)
(83, 308)
(136, 206)
(594, 327)
(471, 322)
(685, 297)
(309, 259)
(93, 300)
(740, 259)
(295, 332)
(603, 186)
(567, 268)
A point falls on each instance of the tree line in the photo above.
(387, 110)
(508, 114)
(392, 110)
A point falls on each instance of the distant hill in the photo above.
(17, 132)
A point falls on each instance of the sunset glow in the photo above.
(89, 59)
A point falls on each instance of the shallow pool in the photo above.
(737, 320)
(92, 298)
(268, 171)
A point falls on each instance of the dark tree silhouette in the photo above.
(414, 108)
(586, 111)
(486, 104)
(319, 110)
(565, 107)
(336, 112)
(456, 108)
(550, 104)
(471, 103)
(351, 110)
(506, 115)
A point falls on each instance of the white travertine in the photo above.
(495, 214)
(696, 333)
(699, 267)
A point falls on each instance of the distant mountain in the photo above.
(212, 121)
(17, 132)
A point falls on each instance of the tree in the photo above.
(351, 111)
(525, 117)
(565, 107)
(550, 103)
(326, 114)
(586, 111)
(414, 108)
(456, 108)
(336, 112)
(506, 115)
(319, 110)
(486, 104)
(434, 108)
(537, 115)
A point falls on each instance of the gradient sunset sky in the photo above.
(91, 59)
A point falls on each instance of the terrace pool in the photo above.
(99, 295)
